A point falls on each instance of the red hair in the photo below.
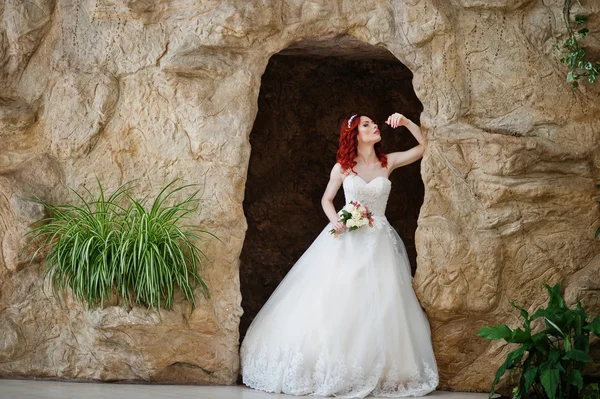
(348, 145)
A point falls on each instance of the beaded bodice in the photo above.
(373, 194)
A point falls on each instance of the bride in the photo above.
(345, 320)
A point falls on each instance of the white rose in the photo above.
(350, 223)
(361, 209)
(364, 222)
(356, 215)
(350, 208)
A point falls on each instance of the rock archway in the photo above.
(165, 89)
(305, 91)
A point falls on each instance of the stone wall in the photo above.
(163, 89)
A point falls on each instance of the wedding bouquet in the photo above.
(355, 215)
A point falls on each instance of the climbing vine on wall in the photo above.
(579, 65)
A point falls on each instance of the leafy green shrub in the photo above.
(103, 248)
(551, 361)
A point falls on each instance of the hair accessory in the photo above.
(350, 120)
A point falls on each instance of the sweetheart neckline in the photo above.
(370, 181)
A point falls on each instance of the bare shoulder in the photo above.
(337, 172)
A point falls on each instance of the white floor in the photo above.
(36, 389)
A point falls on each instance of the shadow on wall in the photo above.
(302, 101)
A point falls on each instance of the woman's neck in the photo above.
(366, 154)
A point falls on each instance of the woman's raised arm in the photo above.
(401, 158)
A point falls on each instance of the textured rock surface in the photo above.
(163, 89)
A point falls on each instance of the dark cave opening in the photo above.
(304, 96)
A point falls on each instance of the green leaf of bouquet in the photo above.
(501, 331)
(549, 379)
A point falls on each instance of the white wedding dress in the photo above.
(345, 320)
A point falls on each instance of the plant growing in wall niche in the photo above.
(550, 361)
(115, 246)
(575, 59)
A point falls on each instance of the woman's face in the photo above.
(368, 132)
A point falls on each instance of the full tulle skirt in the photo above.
(344, 322)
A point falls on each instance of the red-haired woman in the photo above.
(345, 320)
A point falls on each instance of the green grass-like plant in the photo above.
(551, 361)
(114, 246)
